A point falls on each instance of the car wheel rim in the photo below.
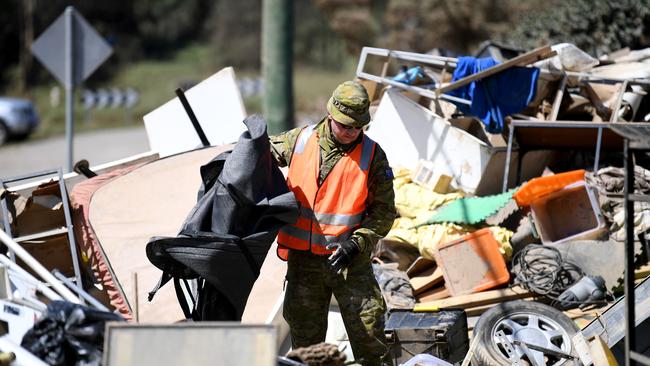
(533, 329)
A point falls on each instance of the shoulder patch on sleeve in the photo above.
(389, 173)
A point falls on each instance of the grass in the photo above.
(156, 80)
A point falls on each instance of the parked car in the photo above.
(18, 119)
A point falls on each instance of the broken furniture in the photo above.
(62, 292)
(48, 243)
(612, 326)
(637, 139)
(447, 64)
(415, 137)
(529, 135)
(409, 132)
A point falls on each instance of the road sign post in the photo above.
(69, 85)
(84, 51)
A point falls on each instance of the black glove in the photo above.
(343, 253)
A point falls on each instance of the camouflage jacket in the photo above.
(380, 211)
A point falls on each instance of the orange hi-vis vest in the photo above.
(332, 211)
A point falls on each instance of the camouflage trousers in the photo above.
(310, 285)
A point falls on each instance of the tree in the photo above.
(595, 26)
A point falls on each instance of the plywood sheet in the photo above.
(152, 200)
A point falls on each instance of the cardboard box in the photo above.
(375, 90)
(428, 176)
(52, 252)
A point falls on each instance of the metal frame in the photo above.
(631, 143)
(66, 211)
(631, 356)
(636, 138)
(441, 61)
(547, 124)
(406, 56)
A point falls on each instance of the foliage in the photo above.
(455, 25)
(596, 26)
(235, 32)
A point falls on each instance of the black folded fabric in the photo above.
(243, 202)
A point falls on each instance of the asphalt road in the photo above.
(98, 147)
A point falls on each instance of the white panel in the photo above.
(195, 344)
(409, 132)
(218, 106)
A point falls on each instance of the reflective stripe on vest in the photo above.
(332, 219)
(332, 211)
(303, 138)
(316, 238)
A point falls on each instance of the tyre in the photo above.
(4, 133)
(20, 136)
(528, 322)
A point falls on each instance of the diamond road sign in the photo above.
(89, 48)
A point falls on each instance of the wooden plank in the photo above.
(481, 298)
(426, 279)
(617, 105)
(558, 99)
(419, 265)
(479, 310)
(435, 293)
(521, 60)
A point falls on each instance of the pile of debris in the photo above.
(509, 242)
(503, 192)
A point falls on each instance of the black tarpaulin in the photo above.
(243, 202)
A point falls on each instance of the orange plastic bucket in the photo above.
(540, 187)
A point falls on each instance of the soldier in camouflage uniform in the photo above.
(347, 272)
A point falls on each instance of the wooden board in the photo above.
(419, 265)
(481, 298)
(435, 293)
(425, 280)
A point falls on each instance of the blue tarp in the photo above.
(496, 96)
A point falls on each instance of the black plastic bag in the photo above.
(69, 334)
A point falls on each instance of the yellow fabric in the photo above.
(415, 204)
(427, 238)
(412, 199)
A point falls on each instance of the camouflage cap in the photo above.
(349, 104)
